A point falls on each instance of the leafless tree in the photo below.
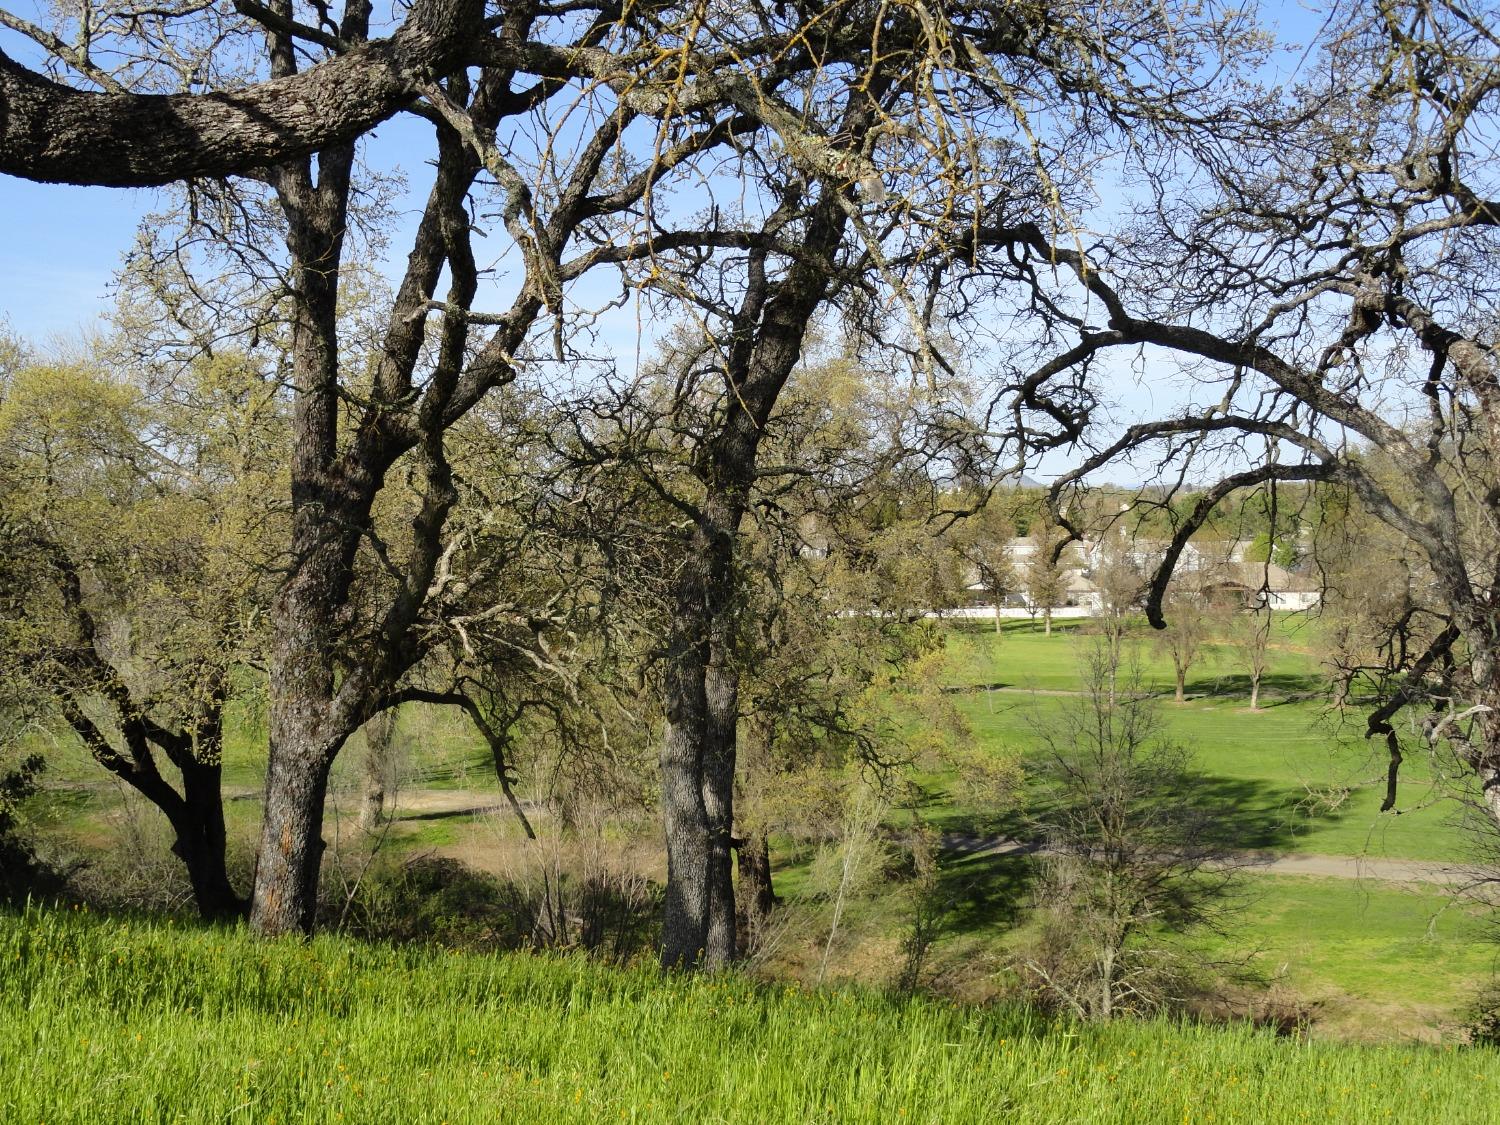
(1129, 859)
(1337, 302)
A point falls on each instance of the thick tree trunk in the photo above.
(1255, 692)
(328, 509)
(380, 735)
(1047, 617)
(757, 891)
(1484, 667)
(698, 756)
(285, 897)
(202, 845)
(685, 920)
(291, 844)
(1181, 684)
(372, 798)
(305, 734)
(722, 696)
(1489, 788)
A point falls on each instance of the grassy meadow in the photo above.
(124, 1021)
(1294, 776)
(1368, 959)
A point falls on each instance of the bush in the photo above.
(1484, 1017)
(22, 873)
(431, 899)
(445, 902)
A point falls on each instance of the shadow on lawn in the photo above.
(1284, 687)
(449, 814)
(1276, 688)
(988, 864)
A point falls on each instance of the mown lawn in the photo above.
(1373, 959)
(121, 1021)
(1025, 657)
(1292, 776)
(1376, 961)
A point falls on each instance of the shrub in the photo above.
(22, 873)
(1484, 1017)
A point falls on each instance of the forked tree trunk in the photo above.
(698, 752)
(328, 509)
(196, 814)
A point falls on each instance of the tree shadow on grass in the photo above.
(449, 814)
(988, 863)
(1298, 685)
(1276, 688)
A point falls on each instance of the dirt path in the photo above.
(1372, 868)
(1365, 867)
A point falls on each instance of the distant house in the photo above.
(1217, 569)
(1252, 585)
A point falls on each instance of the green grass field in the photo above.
(1380, 959)
(1375, 960)
(1293, 776)
(125, 1021)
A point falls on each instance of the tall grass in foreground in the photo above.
(110, 1020)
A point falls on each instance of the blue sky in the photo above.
(61, 246)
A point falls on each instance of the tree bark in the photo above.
(328, 511)
(54, 133)
(685, 819)
(304, 735)
(202, 843)
(291, 846)
(379, 740)
(197, 813)
(701, 686)
(722, 696)
(698, 752)
(756, 887)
